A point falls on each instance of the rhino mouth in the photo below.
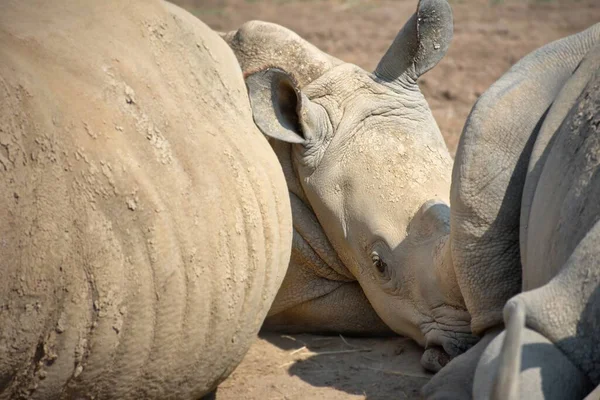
(434, 359)
(443, 343)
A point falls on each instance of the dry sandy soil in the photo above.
(490, 36)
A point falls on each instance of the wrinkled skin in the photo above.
(553, 325)
(369, 177)
(446, 274)
(540, 189)
(451, 273)
(145, 225)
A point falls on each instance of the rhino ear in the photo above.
(279, 108)
(419, 45)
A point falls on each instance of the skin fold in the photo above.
(145, 225)
(545, 194)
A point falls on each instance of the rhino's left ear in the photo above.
(420, 45)
(280, 109)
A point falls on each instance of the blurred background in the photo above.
(489, 36)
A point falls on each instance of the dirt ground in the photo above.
(298, 367)
(490, 36)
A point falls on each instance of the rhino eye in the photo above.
(378, 262)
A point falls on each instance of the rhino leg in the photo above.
(343, 310)
(522, 364)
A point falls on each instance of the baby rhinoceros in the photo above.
(527, 182)
(369, 178)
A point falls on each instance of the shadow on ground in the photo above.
(372, 368)
(334, 367)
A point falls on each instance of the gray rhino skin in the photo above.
(527, 177)
(145, 225)
(452, 272)
(369, 178)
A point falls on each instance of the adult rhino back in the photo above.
(551, 348)
(145, 225)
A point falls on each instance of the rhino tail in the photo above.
(506, 382)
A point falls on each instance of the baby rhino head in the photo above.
(374, 167)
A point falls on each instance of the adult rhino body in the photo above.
(553, 326)
(145, 225)
(369, 179)
(526, 180)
